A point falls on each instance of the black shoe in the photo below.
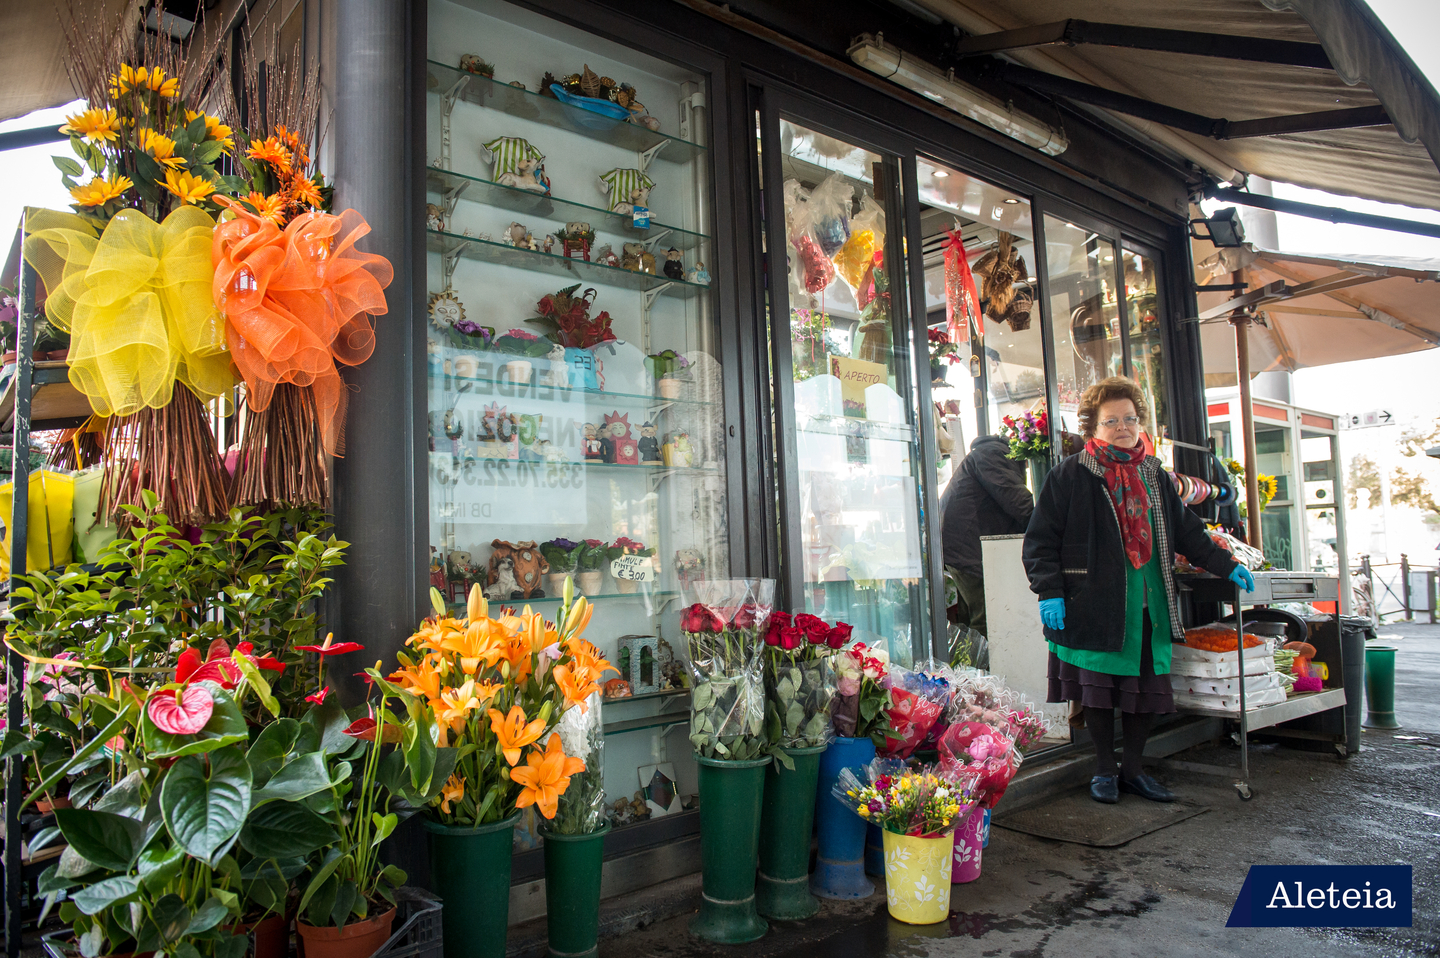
(1105, 788)
(1146, 787)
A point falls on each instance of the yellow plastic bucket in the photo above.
(51, 525)
(917, 877)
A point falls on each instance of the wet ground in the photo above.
(1170, 892)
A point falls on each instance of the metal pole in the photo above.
(1241, 322)
(1405, 586)
(19, 532)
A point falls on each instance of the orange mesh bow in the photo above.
(296, 302)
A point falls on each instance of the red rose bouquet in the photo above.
(799, 678)
(723, 634)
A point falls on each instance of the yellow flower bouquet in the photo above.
(494, 689)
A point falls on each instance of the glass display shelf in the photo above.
(536, 390)
(643, 696)
(489, 251)
(478, 189)
(655, 470)
(858, 428)
(650, 721)
(637, 594)
(530, 105)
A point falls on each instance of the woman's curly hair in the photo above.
(1116, 387)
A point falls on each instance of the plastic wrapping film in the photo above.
(885, 774)
(918, 699)
(722, 632)
(581, 808)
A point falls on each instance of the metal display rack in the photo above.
(36, 389)
(1270, 587)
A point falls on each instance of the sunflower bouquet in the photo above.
(495, 688)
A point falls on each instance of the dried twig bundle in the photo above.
(78, 448)
(282, 460)
(172, 452)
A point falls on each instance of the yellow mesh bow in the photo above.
(137, 302)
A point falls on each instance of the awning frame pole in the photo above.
(1241, 321)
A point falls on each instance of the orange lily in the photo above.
(513, 732)
(422, 680)
(576, 684)
(454, 705)
(545, 777)
(476, 606)
(516, 653)
(452, 791)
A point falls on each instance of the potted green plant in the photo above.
(525, 346)
(628, 573)
(589, 564)
(674, 378)
(562, 555)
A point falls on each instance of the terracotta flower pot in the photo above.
(670, 388)
(518, 371)
(271, 936)
(555, 583)
(46, 807)
(626, 586)
(358, 939)
(588, 582)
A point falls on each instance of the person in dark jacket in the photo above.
(1100, 554)
(986, 496)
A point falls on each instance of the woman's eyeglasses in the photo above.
(1112, 422)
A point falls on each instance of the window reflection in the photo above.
(1083, 307)
(1147, 360)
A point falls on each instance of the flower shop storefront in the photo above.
(621, 387)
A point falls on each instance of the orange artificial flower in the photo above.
(270, 208)
(545, 777)
(305, 191)
(513, 732)
(270, 151)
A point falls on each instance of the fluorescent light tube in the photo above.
(872, 53)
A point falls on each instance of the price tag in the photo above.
(634, 568)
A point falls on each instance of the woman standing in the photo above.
(1100, 552)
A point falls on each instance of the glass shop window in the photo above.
(1084, 312)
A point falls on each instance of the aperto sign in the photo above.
(1324, 896)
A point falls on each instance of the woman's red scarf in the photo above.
(1127, 491)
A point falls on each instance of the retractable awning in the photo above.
(1311, 92)
(1314, 310)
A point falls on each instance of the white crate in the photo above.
(1229, 703)
(1195, 685)
(1255, 664)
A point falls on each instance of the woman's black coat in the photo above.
(1073, 550)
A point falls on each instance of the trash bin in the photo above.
(1380, 687)
(1353, 631)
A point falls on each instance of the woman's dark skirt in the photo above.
(1145, 693)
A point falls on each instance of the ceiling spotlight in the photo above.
(940, 174)
(1011, 200)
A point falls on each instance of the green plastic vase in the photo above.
(470, 869)
(730, 798)
(572, 892)
(782, 889)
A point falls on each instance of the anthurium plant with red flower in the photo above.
(724, 632)
(493, 687)
(799, 678)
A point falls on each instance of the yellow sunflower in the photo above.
(96, 126)
(270, 151)
(124, 81)
(161, 148)
(214, 129)
(100, 191)
(190, 188)
(157, 83)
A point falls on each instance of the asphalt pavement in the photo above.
(1170, 892)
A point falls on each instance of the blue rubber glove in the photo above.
(1052, 613)
(1241, 576)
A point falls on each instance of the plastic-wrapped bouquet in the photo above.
(862, 693)
(918, 703)
(925, 802)
(723, 635)
(799, 679)
(581, 807)
(1028, 435)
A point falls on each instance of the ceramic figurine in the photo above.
(576, 238)
(605, 256)
(518, 164)
(621, 449)
(517, 84)
(627, 189)
(518, 236)
(558, 375)
(699, 274)
(647, 262)
(617, 689)
(632, 258)
(549, 452)
(689, 566)
(515, 572)
(437, 570)
(649, 445)
(646, 120)
(549, 242)
(674, 268)
(594, 446)
(678, 451)
(434, 217)
(470, 63)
